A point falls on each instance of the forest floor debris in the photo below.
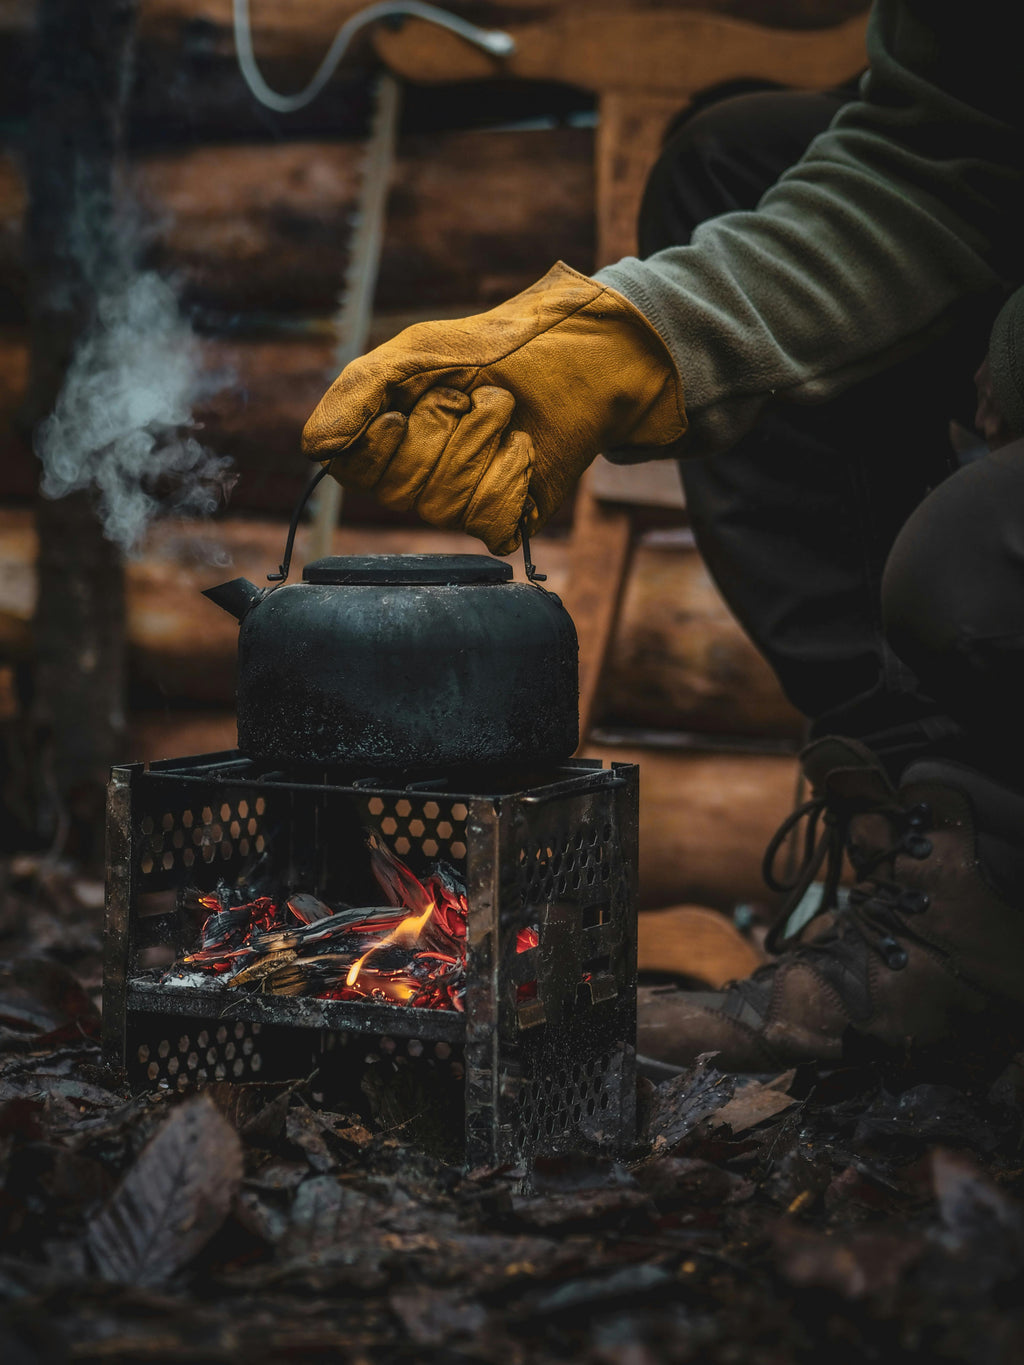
(850, 1215)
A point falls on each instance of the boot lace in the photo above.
(877, 904)
(826, 826)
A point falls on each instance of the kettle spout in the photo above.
(238, 597)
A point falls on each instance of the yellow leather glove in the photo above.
(475, 421)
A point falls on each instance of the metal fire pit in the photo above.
(510, 1077)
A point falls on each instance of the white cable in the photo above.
(494, 41)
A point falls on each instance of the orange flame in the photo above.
(430, 919)
(430, 902)
(405, 933)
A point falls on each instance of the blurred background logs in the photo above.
(249, 214)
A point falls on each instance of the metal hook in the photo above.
(531, 569)
(286, 563)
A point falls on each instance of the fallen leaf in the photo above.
(326, 1214)
(262, 1217)
(629, 1285)
(355, 1134)
(925, 1115)
(306, 1129)
(569, 1171)
(585, 1210)
(173, 1199)
(277, 1175)
(41, 997)
(242, 1102)
(753, 1104)
(680, 1104)
(431, 1316)
(782, 1082)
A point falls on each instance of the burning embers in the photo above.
(411, 951)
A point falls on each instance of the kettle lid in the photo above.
(408, 570)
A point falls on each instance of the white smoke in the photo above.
(120, 424)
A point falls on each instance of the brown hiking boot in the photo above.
(932, 937)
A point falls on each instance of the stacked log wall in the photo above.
(257, 240)
(250, 213)
(679, 662)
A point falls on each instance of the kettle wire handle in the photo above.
(286, 562)
(531, 569)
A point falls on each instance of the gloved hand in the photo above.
(475, 421)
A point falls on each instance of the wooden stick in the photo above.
(355, 306)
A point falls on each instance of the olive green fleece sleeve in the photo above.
(908, 207)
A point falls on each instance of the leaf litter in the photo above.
(858, 1213)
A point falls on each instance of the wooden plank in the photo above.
(629, 137)
(656, 51)
(654, 484)
(188, 85)
(705, 821)
(679, 660)
(693, 941)
(301, 29)
(600, 554)
(305, 27)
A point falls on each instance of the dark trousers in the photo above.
(890, 612)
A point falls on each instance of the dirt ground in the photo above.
(867, 1213)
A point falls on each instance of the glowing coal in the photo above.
(411, 951)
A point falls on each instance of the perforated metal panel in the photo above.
(413, 823)
(220, 834)
(575, 864)
(182, 1057)
(542, 1059)
(578, 1097)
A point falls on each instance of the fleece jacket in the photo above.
(907, 210)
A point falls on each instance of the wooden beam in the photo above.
(601, 552)
(679, 660)
(629, 135)
(266, 228)
(705, 821)
(693, 941)
(656, 51)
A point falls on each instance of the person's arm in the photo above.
(905, 209)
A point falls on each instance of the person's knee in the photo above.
(953, 587)
(920, 601)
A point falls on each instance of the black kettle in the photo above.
(404, 663)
